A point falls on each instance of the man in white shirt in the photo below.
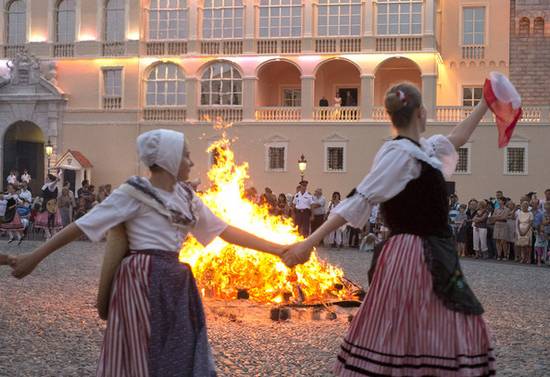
(302, 209)
(318, 205)
(25, 195)
(12, 178)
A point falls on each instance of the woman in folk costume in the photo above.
(419, 316)
(12, 222)
(156, 324)
(49, 217)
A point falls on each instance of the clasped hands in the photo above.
(297, 253)
(21, 265)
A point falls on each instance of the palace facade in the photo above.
(88, 76)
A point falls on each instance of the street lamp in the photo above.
(49, 152)
(302, 165)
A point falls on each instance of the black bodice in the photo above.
(422, 208)
(49, 195)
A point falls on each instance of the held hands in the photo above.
(22, 265)
(297, 254)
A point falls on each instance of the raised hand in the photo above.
(297, 254)
(22, 265)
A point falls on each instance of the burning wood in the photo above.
(229, 272)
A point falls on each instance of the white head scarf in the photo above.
(163, 148)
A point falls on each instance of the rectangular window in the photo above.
(515, 160)
(168, 20)
(339, 18)
(473, 26)
(463, 164)
(335, 158)
(399, 17)
(292, 97)
(280, 19)
(471, 95)
(112, 88)
(276, 158)
(223, 19)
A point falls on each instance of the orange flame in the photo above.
(221, 269)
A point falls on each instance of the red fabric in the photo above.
(403, 329)
(506, 116)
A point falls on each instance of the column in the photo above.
(191, 99)
(429, 93)
(249, 11)
(308, 90)
(367, 96)
(429, 17)
(367, 25)
(249, 98)
(193, 15)
(308, 19)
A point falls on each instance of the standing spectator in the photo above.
(26, 177)
(101, 194)
(480, 230)
(92, 198)
(318, 209)
(541, 243)
(461, 230)
(373, 217)
(499, 195)
(336, 237)
(546, 229)
(283, 209)
(511, 232)
(66, 204)
(81, 208)
(470, 213)
(108, 186)
(500, 232)
(83, 189)
(302, 207)
(323, 102)
(12, 178)
(524, 232)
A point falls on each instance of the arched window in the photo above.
(165, 86)
(114, 21)
(524, 26)
(222, 19)
(168, 19)
(280, 18)
(65, 21)
(17, 22)
(538, 26)
(221, 84)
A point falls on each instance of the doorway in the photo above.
(24, 149)
(349, 96)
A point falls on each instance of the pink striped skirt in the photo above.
(14, 225)
(45, 220)
(403, 329)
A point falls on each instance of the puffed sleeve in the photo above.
(391, 172)
(209, 226)
(445, 152)
(115, 209)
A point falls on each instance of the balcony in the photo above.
(278, 46)
(112, 102)
(473, 52)
(113, 49)
(63, 50)
(11, 51)
(165, 114)
(278, 114)
(391, 44)
(231, 47)
(159, 48)
(336, 114)
(335, 45)
(220, 114)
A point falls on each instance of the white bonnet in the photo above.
(163, 148)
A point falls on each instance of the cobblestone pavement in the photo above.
(49, 327)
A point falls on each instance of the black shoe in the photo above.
(10, 241)
(20, 241)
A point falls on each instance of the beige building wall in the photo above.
(437, 61)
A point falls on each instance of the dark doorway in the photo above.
(24, 149)
(349, 96)
(70, 176)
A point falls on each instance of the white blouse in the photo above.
(145, 227)
(395, 165)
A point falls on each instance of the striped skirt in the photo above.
(14, 225)
(156, 325)
(403, 329)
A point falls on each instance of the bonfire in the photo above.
(229, 272)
